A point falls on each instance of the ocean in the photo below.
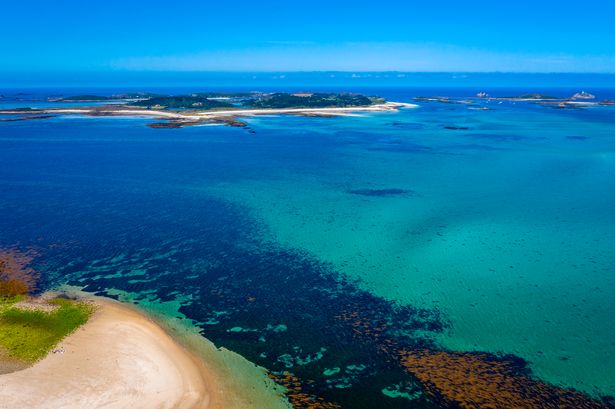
(326, 248)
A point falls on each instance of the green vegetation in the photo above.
(85, 98)
(309, 100)
(102, 98)
(534, 96)
(134, 95)
(182, 102)
(250, 94)
(29, 334)
(214, 100)
(31, 327)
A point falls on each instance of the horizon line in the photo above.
(86, 71)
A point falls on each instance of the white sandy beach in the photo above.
(388, 106)
(216, 114)
(119, 359)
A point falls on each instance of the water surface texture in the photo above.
(445, 227)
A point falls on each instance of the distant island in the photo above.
(82, 98)
(102, 98)
(178, 111)
(579, 100)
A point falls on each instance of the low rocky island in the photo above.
(578, 100)
(176, 111)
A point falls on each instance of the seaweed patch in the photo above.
(382, 192)
(16, 275)
(479, 380)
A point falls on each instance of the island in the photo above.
(578, 100)
(177, 111)
(102, 98)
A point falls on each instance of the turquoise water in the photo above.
(495, 236)
(509, 230)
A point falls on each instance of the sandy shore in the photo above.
(388, 106)
(119, 359)
(193, 115)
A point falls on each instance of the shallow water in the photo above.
(495, 238)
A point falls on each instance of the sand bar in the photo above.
(212, 114)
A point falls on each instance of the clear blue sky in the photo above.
(520, 36)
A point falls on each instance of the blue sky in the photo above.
(481, 36)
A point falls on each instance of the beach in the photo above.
(191, 117)
(119, 359)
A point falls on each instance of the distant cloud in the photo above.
(309, 56)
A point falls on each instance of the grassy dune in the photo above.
(29, 334)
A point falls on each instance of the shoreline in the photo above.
(121, 358)
(178, 119)
(118, 359)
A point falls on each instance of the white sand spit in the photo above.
(119, 359)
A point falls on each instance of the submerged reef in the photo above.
(407, 125)
(455, 128)
(381, 192)
(25, 118)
